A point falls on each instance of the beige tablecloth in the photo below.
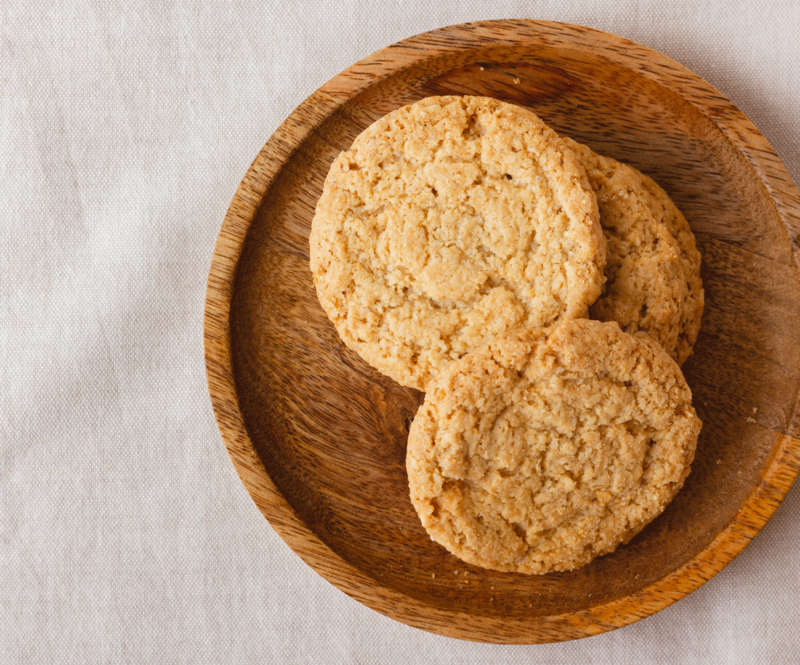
(125, 534)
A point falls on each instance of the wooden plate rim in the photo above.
(778, 474)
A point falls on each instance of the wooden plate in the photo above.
(319, 438)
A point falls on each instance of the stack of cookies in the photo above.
(544, 298)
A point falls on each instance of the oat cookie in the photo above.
(448, 222)
(653, 267)
(546, 448)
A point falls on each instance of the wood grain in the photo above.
(318, 437)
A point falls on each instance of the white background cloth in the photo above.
(125, 534)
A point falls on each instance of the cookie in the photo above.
(546, 448)
(652, 271)
(448, 222)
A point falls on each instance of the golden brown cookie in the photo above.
(448, 222)
(546, 448)
(653, 267)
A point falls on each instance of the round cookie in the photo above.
(692, 310)
(546, 448)
(652, 271)
(448, 222)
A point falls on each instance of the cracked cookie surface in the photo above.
(448, 222)
(546, 448)
(652, 271)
